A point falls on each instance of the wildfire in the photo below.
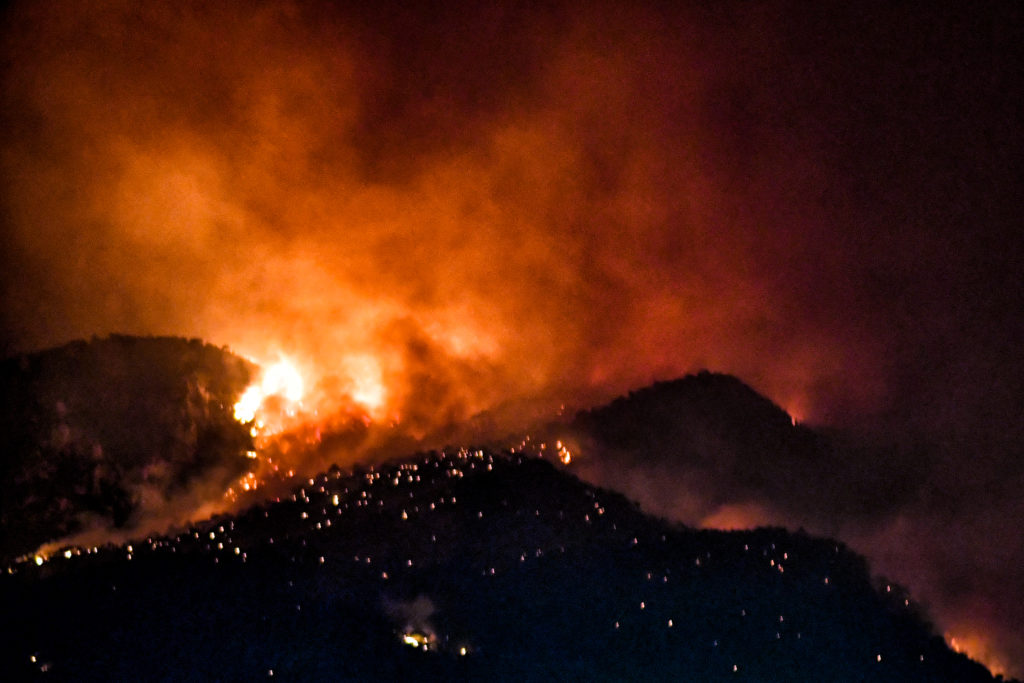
(418, 639)
(367, 382)
(278, 399)
(282, 379)
(974, 644)
(564, 454)
(292, 401)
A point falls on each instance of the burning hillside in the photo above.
(466, 565)
(126, 437)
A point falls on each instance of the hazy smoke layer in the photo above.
(559, 198)
(489, 203)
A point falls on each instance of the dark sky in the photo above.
(497, 202)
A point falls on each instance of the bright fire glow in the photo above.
(287, 410)
(280, 379)
(973, 644)
(416, 639)
(367, 382)
(280, 394)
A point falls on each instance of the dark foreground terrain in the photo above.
(86, 427)
(464, 565)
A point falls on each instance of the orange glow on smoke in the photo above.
(977, 646)
(513, 254)
(732, 517)
(367, 382)
(570, 205)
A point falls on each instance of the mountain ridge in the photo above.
(534, 572)
(445, 545)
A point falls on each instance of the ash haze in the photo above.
(491, 203)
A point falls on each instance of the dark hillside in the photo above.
(84, 426)
(467, 565)
(734, 444)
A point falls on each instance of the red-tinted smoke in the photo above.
(499, 203)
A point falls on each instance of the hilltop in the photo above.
(730, 443)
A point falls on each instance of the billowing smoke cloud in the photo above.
(302, 177)
(496, 204)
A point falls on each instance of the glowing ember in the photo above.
(564, 454)
(417, 640)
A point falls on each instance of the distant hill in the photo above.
(733, 443)
(705, 400)
(88, 426)
(467, 565)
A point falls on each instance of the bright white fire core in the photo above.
(280, 379)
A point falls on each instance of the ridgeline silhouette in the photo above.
(468, 565)
(458, 564)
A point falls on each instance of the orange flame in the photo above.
(282, 379)
(976, 646)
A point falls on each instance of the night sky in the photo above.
(482, 205)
